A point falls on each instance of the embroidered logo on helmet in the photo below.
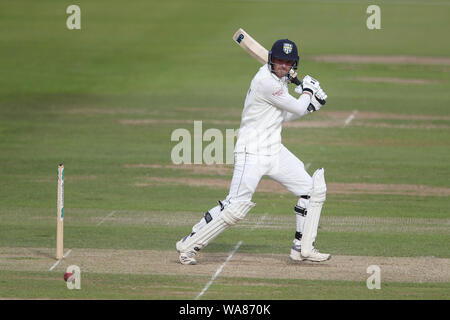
(287, 48)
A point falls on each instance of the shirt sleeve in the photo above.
(289, 116)
(279, 97)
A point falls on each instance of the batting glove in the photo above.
(310, 85)
(317, 101)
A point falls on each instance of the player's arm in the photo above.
(318, 97)
(288, 116)
(281, 99)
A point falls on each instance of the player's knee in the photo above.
(305, 188)
(236, 211)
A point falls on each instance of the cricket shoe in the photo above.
(316, 256)
(186, 257)
(296, 253)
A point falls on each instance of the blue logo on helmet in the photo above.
(287, 48)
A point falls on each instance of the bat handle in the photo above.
(296, 81)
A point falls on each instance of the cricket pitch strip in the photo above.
(245, 265)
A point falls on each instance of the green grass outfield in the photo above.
(104, 100)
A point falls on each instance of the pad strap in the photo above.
(301, 211)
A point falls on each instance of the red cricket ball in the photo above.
(68, 276)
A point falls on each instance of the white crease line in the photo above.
(67, 253)
(57, 262)
(219, 270)
(351, 117)
(54, 266)
(108, 216)
(229, 258)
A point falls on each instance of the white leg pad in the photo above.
(229, 216)
(318, 197)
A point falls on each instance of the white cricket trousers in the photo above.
(283, 167)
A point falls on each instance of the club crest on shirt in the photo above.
(287, 48)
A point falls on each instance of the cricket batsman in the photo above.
(259, 152)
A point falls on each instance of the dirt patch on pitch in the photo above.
(273, 266)
(330, 119)
(382, 59)
(221, 170)
(137, 122)
(368, 115)
(282, 221)
(68, 178)
(315, 124)
(395, 80)
(85, 111)
(378, 188)
(325, 119)
(272, 186)
(400, 126)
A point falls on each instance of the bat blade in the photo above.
(257, 51)
(246, 42)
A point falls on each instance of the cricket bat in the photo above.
(257, 51)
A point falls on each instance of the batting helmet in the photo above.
(284, 49)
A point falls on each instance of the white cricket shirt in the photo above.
(268, 104)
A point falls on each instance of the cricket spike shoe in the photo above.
(296, 253)
(186, 257)
(316, 256)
